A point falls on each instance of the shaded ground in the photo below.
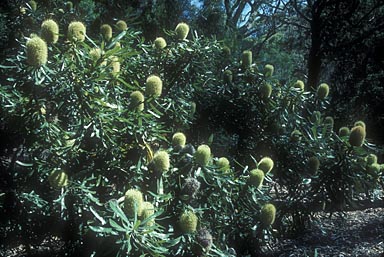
(358, 233)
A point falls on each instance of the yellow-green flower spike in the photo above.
(137, 101)
(256, 178)
(357, 136)
(313, 165)
(226, 51)
(267, 214)
(95, 54)
(322, 91)
(265, 91)
(115, 65)
(265, 164)
(37, 52)
(223, 164)
(58, 179)
(117, 45)
(188, 222)
(160, 43)
(360, 123)
(50, 31)
(76, 31)
(246, 59)
(106, 32)
(268, 70)
(133, 199)
(374, 170)
(33, 5)
(193, 108)
(203, 155)
(299, 84)
(182, 30)
(295, 136)
(179, 140)
(371, 159)
(344, 131)
(69, 5)
(154, 86)
(161, 161)
(147, 211)
(228, 76)
(121, 26)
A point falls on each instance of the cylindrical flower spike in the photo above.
(50, 31)
(322, 91)
(106, 32)
(267, 215)
(357, 136)
(133, 200)
(182, 30)
(154, 86)
(188, 222)
(76, 31)
(160, 43)
(203, 155)
(37, 52)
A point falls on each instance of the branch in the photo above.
(294, 4)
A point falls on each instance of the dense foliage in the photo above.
(173, 145)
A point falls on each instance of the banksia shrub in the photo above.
(58, 179)
(203, 155)
(154, 86)
(344, 131)
(160, 161)
(188, 222)
(299, 84)
(191, 187)
(160, 43)
(313, 165)
(371, 159)
(223, 164)
(357, 136)
(137, 101)
(133, 199)
(256, 178)
(265, 90)
(121, 26)
(246, 59)
(106, 32)
(268, 70)
(228, 76)
(265, 164)
(179, 140)
(267, 214)
(360, 123)
(50, 31)
(204, 239)
(182, 30)
(322, 91)
(37, 52)
(147, 211)
(295, 136)
(76, 31)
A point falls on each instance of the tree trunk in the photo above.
(314, 58)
